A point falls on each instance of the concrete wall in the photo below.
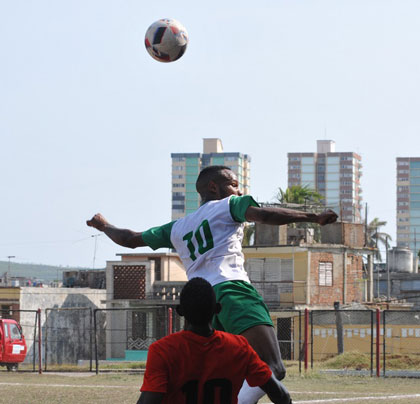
(269, 235)
(349, 234)
(173, 270)
(306, 289)
(67, 331)
(289, 298)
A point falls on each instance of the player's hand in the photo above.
(327, 217)
(98, 222)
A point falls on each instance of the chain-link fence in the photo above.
(28, 320)
(101, 336)
(401, 340)
(288, 325)
(130, 331)
(334, 332)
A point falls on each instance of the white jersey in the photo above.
(209, 241)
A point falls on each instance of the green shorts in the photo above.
(242, 307)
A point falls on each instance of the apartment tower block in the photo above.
(334, 175)
(187, 166)
(408, 203)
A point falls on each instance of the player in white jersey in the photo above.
(209, 244)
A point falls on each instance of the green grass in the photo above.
(24, 388)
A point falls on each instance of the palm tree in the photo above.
(308, 199)
(375, 237)
(249, 233)
(299, 194)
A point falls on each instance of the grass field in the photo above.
(122, 388)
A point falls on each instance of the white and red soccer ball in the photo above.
(166, 40)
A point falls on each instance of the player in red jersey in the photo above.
(201, 365)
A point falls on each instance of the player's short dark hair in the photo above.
(198, 301)
(211, 173)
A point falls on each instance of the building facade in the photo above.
(408, 203)
(187, 166)
(334, 175)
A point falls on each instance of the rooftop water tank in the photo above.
(400, 260)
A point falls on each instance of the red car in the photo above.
(12, 344)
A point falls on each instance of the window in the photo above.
(177, 176)
(178, 168)
(325, 273)
(6, 311)
(14, 332)
(178, 185)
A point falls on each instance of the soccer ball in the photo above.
(166, 40)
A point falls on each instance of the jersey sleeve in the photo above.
(258, 372)
(157, 374)
(238, 206)
(158, 237)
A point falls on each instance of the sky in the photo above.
(88, 119)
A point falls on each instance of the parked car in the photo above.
(12, 344)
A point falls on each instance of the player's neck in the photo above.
(203, 330)
(208, 199)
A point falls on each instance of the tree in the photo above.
(299, 194)
(249, 234)
(375, 237)
(308, 199)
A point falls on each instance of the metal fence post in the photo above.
(384, 337)
(90, 339)
(96, 341)
(305, 340)
(39, 343)
(378, 335)
(300, 342)
(371, 342)
(170, 328)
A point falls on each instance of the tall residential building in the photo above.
(408, 203)
(334, 175)
(187, 166)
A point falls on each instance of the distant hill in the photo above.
(36, 271)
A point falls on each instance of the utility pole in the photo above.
(366, 224)
(94, 251)
(387, 272)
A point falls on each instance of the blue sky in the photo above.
(88, 119)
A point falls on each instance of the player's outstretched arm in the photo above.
(149, 397)
(277, 391)
(279, 216)
(123, 237)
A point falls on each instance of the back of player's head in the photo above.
(211, 173)
(198, 301)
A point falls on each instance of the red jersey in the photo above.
(190, 368)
